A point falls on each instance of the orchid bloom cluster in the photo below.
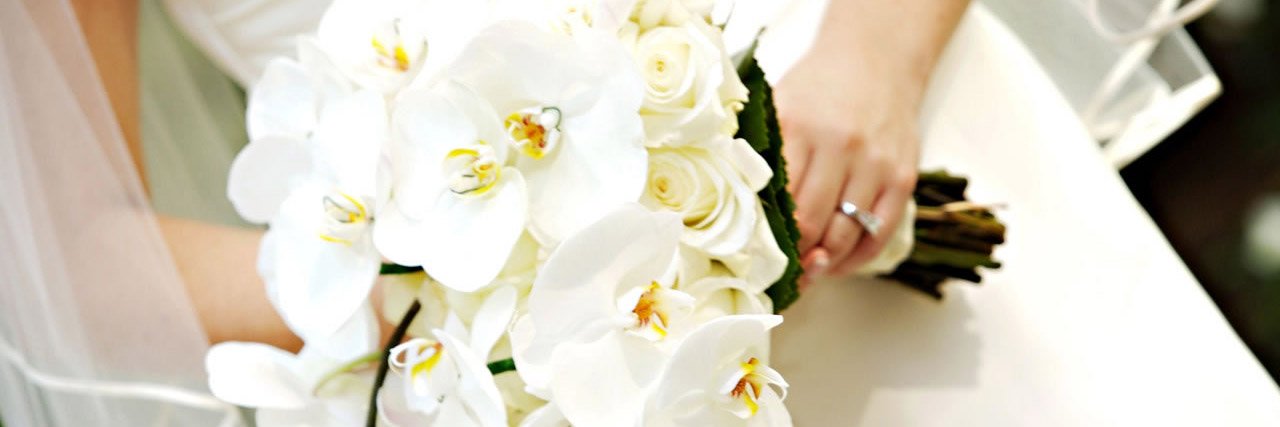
(563, 177)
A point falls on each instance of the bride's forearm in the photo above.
(904, 38)
(217, 265)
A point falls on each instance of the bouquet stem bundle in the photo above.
(953, 236)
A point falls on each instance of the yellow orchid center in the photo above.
(472, 171)
(752, 377)
(649, 313)
(535, 131)
(345, 218)
(389, 47)
(426, 365)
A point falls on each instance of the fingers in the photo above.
(796, 154)
(843, 232)
(817, 196)
(889, 207)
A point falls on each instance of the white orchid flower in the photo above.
(598, 319)
(447, 380)
(718, 377)
(312, 171)
(384, 44)
(458, 208)
(570, 108)
(310, 388)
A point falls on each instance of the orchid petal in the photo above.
(264, 173)
(319, 283)
(255, 375)
(476, 387)
(492, 319)
(349, 141)
(603, 382)
(282, 102)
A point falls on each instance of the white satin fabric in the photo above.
(1093, 321)
(95, 325)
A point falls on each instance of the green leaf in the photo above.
(499, 366)
(758, 124)
(398, 269)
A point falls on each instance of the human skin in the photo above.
(216, 262)
(849, 110)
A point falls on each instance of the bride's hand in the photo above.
(850, 132)
(848, 112)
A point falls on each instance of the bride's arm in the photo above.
(848, 111)
(217, 263)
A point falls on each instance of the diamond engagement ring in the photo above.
(867, 220)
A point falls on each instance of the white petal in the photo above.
(547, 416)
(600, 165)
(574, 295)
(532, 357)
(282, 102)
(264, 173)
(393, 410)
(492, 319)
(754, 169)
(356, 337)
(602, 383)
(698, 360)
(349, 140)
(471, 239)
(427, 125)
(772, 412)
(477, 387)
(319, 284)
(255, 375)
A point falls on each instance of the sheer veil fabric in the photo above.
(95, 325)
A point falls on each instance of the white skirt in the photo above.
(1094, 320)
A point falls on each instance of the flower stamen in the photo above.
(472, 171)
(394, 57)
(535, 131)
(345, 216)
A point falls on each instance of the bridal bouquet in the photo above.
(577, 208)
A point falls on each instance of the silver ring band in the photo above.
(869, 222)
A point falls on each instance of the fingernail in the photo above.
(820, 263)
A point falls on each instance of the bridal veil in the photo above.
(95, 325)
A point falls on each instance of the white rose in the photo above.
(653, 13)
(713, 188)
(692, 90)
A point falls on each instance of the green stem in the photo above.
(366, 359)
(499, 366)
(398, 269)
(384, 364)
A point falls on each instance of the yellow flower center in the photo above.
(648, 311)
(345, 218)
(472, 171)
(535, 131)
(749, 382)
(390, 48)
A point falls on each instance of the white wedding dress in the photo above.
(1093, 320)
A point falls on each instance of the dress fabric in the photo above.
(95, 324)
(1092, 321)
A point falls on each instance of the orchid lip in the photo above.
(535, 131)
(345, 218)
(389, 45)
(472, 171)
(746, 384)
